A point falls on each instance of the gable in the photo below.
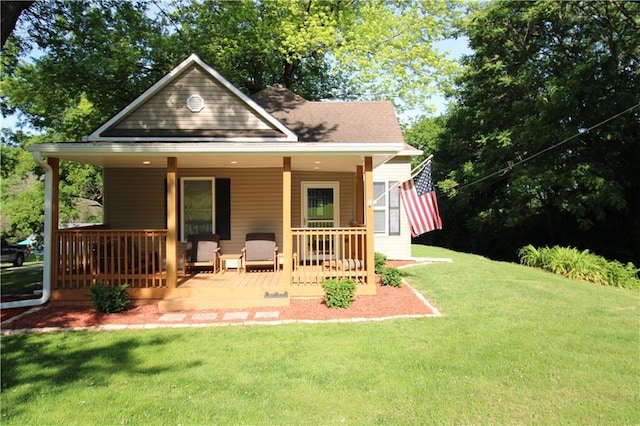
(193, 102)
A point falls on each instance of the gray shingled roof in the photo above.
(328, 121)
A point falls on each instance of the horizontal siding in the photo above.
(256, 202)
(135, 198)
(167, 109)
(347, 194)
(396, 246)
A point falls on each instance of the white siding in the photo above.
(395, 246)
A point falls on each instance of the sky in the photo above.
(456, 48)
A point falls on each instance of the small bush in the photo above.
(391, 276)
(379, 260)
(339, 293)
(580, 265)
(109, 299)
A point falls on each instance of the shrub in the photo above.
(339, 293)
(379, 261)
(109, 299)
(391, 276)
(580, 265)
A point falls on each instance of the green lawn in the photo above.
(21, 280)
(516, 345)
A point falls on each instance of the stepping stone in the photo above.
(235, 316)
(265, 315)
(172, 317)
(205, 316)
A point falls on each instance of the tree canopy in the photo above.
(542, 144)
(70, 65)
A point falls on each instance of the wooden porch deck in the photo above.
(232, 279)
(232, 289)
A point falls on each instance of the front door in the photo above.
(321, 209)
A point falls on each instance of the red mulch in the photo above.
(388, 301)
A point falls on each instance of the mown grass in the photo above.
(516, 345)
(21, 280)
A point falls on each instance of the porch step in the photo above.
(203, 299)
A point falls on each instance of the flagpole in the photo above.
(417, 169)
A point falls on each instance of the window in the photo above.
(205, 206)
(386, 210)
(197, 206)
(380, 208)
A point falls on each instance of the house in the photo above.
(194, 155)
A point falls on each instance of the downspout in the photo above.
(48, 232)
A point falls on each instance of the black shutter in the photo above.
(223, 208)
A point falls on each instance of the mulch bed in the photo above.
(388, 302)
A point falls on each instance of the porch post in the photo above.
(359, 195)
(172, 222)
(54, 163)
(287, 245)
(368, 194)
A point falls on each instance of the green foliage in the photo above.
(541, 74)
(581, 265)
(391, 276)
(339, 292)
(109, 299)
(423, 134)
(379, 260)
(69, 66)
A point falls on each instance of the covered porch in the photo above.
(100, 255)
(194, 155)
(149, 261)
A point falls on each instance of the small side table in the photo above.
(225, 257)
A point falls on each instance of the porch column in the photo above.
(172, 222)
(54, 163)
(359, 195)
(287, 245)
(368, 195)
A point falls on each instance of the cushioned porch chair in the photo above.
(260, 249)
(345, 264)
(202, 252)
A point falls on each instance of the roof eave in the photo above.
(240, 147)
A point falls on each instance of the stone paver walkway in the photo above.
(228, 316)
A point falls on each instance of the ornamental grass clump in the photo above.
(108, 299)
(580, 265)
(339, 293)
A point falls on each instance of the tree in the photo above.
(520, 158)
(9, 14)
(321, 48)
(95, 56)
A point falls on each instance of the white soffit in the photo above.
(331, 156)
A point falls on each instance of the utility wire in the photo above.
(414, 172)
(580, 132)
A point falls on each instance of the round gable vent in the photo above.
(195, 103)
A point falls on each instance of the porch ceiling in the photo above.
(339, 157)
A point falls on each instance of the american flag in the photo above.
(420, 203)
